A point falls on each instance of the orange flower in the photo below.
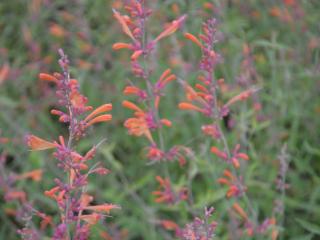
(208, 5)
(275, 12)
(78, 100)
(136, 55)
(240, 211)
(4, 72)
(102, 208)
(223, 181)
(72, 175)
(168, 79)
(46, 220)
(202, 88)
(131, 106)
(121, 45)
(123, 24)
(243, 156)
(91, 219)
(13, 195)
(157, 102)
(241, 97)
(233, 191)
(155, 153)
(235, 162)
(165, 193)
(172, 28)
(289, 2)
(228, 174)
(193, 38)
(131, 90)
(164, 74)
(189, 106)
(219, 153)
(166, 122)
(193, 95)
(169, 225)
(85, 200)
(57, 31)
(38, 144)
(102, 118)
(35, 175)
(51, 193)
(47, 77)
(103, 108)
(138, 127)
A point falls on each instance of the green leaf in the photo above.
(311, 227)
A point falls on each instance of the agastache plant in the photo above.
(147, 121)
(206, 99)
(24, 212)
(77, 216)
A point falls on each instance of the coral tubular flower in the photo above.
(201, 88)
(51, 193)
(123, 24)
(167, 80)
(233, 191)
(155, 154)
(172, 28)
(120, 45)
(102, 118)
(131, 106)
(138, 127)
(20, 195)
(193, 38)
(166, 122)
(35, 175)
(85, 200)
(228, 174)
(193, 95)
(211, 130)
(91, 219)
(189, 106)
(132, 90)
(219, 153)
(242, 96)
(164, 74)
(169, 225)
(46, 220)
(239, 210)
(104, 108)
(105, 208)
(243, 156)
(235, 162)
(223, 181)
(38, 144)
(57, 31)
(136, 55)
(166, 195)
(47, 77)
(78, 100)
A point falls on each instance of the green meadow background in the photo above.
(287, 59)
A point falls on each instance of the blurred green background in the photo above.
(285, 43)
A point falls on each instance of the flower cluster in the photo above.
(166, 194)
(77, 215)
(146, 121)
(206, 99)
(199, 228)
(25, 212)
